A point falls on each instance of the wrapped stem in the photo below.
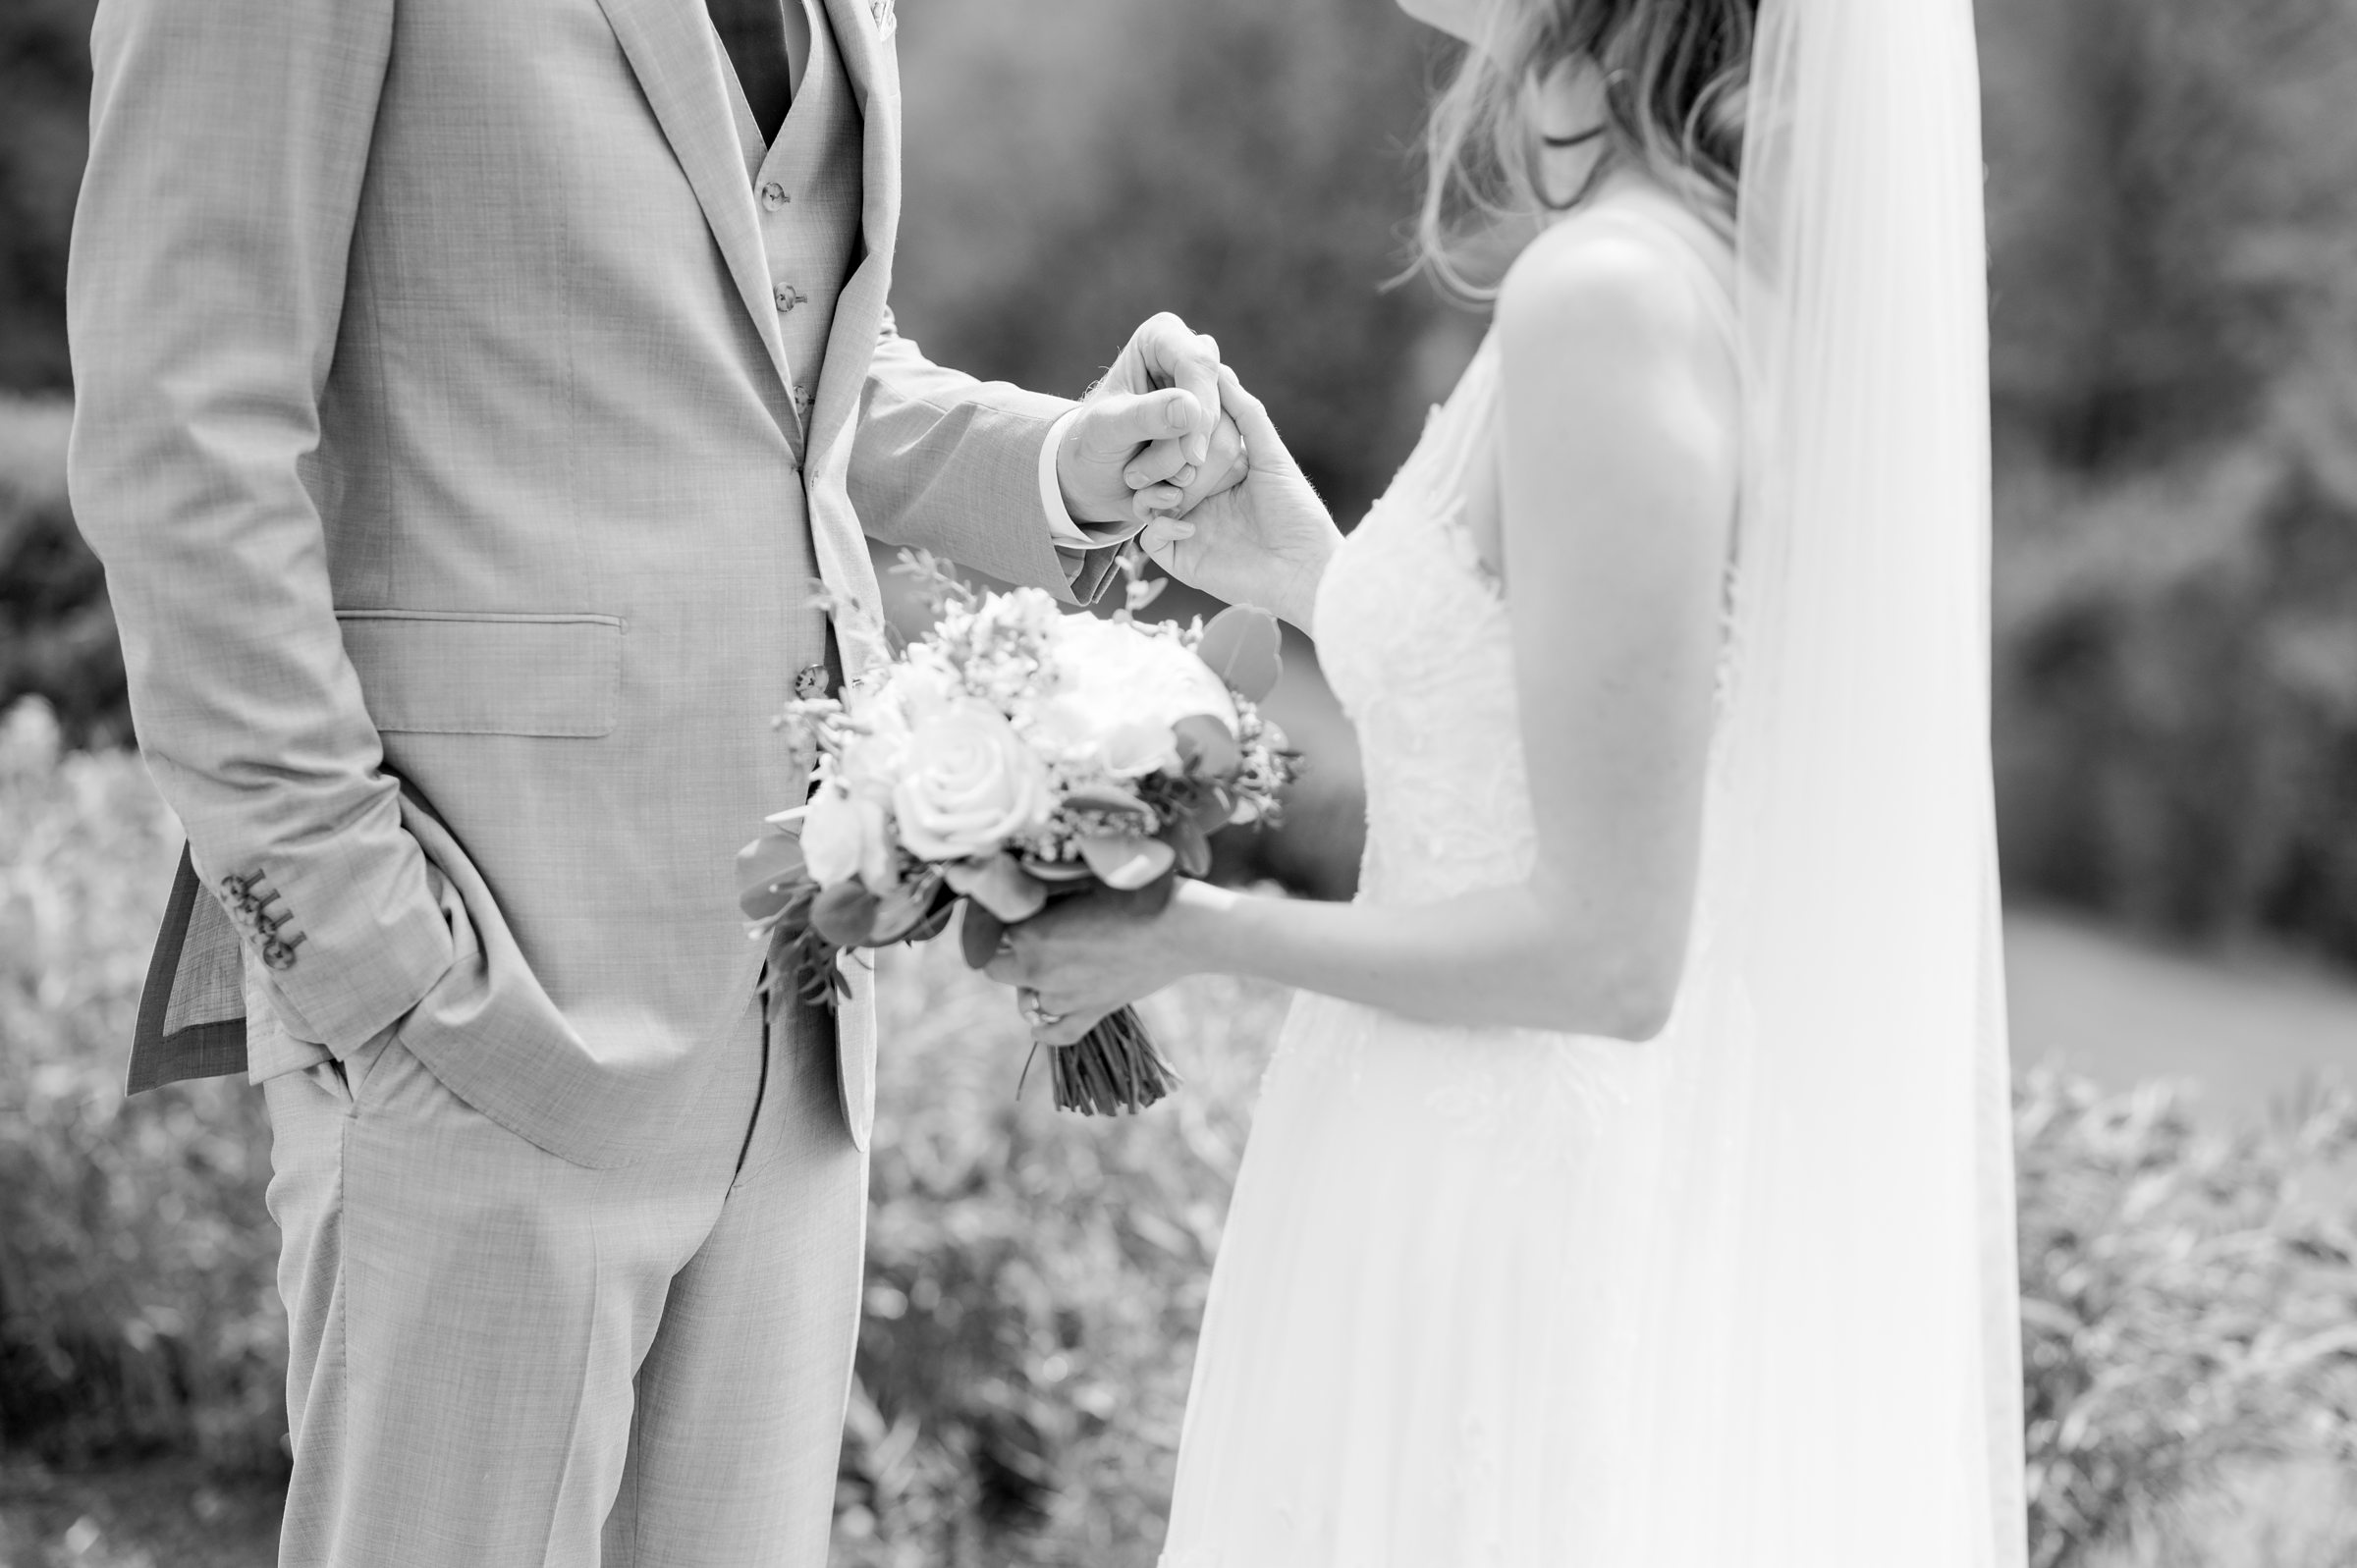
(1115, 1068)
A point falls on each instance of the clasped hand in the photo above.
(1172, 443)
(1089, 952)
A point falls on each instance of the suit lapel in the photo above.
(680, 67)
(875, 82)
(838, 540)
(856, 38)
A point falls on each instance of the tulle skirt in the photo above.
(1418, 1330)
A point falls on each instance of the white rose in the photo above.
(844, 836)
(1135, 750)
(1125, 687)
(968, 784)
(1062, 731)
(870, 763)
(918, 691)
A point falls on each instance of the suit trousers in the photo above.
(499, 1358)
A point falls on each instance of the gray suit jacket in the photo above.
(434, 427)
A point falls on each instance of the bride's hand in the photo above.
(1084, 956)
(1263, 542)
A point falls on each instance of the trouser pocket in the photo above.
(352, 1073)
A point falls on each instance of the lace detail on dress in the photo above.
(1414, 638)
(1419, 1308)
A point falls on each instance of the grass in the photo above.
(2246, 1029)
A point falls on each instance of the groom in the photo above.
(469, 396)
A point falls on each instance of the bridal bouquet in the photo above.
(1017, 754)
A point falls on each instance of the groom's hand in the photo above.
(1151, 436)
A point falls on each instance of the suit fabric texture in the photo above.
(654, 1376)
(437, 425)
(472, 418)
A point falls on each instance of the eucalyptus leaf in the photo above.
(767, 869)
(772, 857)
(999, 885)
(1192, 846)
(1127, 862)
(846, 914)
(1245, 648)
(1104, 800)
(1056, 870)
(900, 913)
(1206, 747)
(1209, 807)
(979, 934)
(768, 900)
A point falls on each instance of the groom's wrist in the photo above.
(1055, 501)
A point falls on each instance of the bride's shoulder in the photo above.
(1602, 283)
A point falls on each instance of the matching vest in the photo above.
(807, 190)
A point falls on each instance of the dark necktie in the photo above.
(755, 35)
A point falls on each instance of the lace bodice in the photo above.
(1413, 636)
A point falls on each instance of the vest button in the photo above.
(788, 296)
(774, 196)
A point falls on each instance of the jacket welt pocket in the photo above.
(430, 671)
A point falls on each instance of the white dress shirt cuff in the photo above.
(1063, 530)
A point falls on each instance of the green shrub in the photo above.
(57, 626)
(137, 1305)
(1035, 1280)
(2189, 1307)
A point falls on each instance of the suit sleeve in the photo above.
(228, 144)
(945, 463)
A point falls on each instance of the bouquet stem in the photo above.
(1114, 1067)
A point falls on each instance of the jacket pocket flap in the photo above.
(425, 672)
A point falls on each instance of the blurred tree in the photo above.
(2168, 170)
(57, 630)
(2174, 219)
(45, 103)
(1076, 165)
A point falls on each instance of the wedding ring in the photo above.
(1037, 1017)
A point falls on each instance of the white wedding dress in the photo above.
(1742, 1296)
(1421, 1308)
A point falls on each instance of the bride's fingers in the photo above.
(1164, 532)
(1262, 444)
(1150, 504)
(1069, 1030)
(1226, 467)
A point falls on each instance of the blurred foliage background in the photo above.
(2172, 190)
(1035, 1280)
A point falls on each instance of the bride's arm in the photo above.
(1618, 452)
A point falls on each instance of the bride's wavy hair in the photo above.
(1676, 76)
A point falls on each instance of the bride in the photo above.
(1630, 1186)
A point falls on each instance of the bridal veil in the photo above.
(1828, 1365)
